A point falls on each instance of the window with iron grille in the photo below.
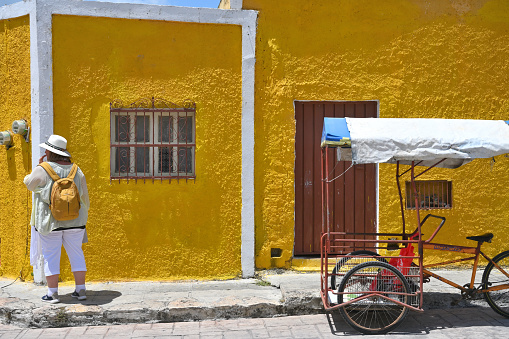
(432, 194)
(152, 139)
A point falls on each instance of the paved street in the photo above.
(454, 323)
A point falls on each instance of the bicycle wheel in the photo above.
(374, 314)
(493, 277)
(347, 263)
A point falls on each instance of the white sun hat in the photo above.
(57, 145)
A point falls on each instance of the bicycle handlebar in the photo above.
(416, 232)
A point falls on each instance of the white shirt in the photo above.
(41, 183)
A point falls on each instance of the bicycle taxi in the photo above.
(374, 292)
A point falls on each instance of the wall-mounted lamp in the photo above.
(21, 127)
(6, 139)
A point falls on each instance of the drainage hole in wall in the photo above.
(276, 252)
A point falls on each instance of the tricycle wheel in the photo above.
(377, 292)
(347, 263)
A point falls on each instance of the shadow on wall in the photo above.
(18, 145)
(11, 164)
(26, 150)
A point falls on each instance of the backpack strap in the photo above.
(51, 172)
(72, 173)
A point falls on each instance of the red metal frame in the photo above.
(333, 240)
(329, 239)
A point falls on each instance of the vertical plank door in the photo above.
(354, 193)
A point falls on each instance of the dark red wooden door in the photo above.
(354, 192)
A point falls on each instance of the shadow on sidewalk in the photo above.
(430, 320)
(93, 298)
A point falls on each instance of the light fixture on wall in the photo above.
(6, 139)
(21, 127)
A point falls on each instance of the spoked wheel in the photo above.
(347, 263)
(493, 277)
(376, 314)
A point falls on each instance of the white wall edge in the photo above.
(41, 84)
(377, 179)
(248, 141)
(236, 4)
(16, 10)
(41, 12)
(152, 12)
(41, 73)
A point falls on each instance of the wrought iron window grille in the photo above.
(152, 139)
(432, 194)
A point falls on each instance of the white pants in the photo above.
(51, 246)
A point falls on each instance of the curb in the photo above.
(93, 315)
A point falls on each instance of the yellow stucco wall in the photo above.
(154, 230)
(15, 163)
(420, 59)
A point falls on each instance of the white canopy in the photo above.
(427, 140)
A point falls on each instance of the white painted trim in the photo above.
(152, 12)
(248, 141)
(236, 4)
(16, 10)
(41, 12)
(41, 83)
(377, 179)
(41, 66)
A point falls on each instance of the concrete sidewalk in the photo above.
(274, 293)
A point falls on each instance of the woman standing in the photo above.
(53, 233)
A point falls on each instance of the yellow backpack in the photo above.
(65, 197)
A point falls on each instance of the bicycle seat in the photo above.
(482, 238)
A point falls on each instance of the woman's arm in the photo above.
(84, 192)
(36, 179)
